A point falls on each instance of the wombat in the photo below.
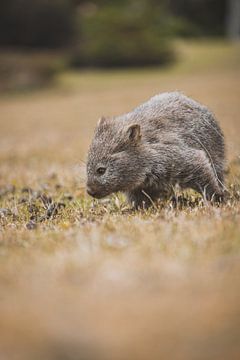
(170, 139)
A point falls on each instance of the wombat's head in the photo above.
(115, 158)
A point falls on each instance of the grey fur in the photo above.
(170, 139)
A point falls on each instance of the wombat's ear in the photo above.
(102, 121)
(134, 132)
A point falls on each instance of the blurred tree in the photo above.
(207, 16)
(126, 33)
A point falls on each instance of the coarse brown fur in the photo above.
(171, 139)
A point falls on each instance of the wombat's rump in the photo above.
(171, 139)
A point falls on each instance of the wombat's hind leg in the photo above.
(203, 178)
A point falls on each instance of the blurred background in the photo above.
(93, 281)
(40, 38)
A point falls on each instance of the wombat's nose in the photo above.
(90, 191)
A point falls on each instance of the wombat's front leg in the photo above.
(142, 198)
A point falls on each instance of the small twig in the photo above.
(150, 199)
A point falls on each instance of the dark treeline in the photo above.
(52, 23)
(109, 32)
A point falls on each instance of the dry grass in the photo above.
(93, 280)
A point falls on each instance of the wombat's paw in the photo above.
(218, 198)
(140, 205)
(228, 195)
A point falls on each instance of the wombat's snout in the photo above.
(91, 191)
(95, 191)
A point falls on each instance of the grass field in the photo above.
(91, 280)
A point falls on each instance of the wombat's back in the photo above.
(174, 113)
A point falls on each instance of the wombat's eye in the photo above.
(101, 170)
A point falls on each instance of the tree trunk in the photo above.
(233, 20)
